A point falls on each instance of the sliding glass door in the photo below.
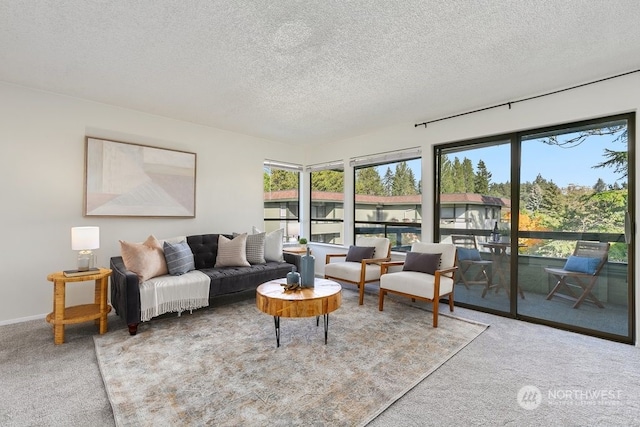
(577, 192)
(475, 200)
(552, 248)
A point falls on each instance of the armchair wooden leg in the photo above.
(361, 287)
(435, 312)
(451, 302)
(381, 299)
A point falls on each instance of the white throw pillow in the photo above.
(232, 253)
(272, 245)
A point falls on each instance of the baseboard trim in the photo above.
(22, 319)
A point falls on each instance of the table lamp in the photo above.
(85, 239)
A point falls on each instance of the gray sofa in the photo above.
(125, 286)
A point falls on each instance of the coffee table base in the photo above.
(276, 321)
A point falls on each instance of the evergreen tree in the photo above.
(482, 178)
(280, 179)
(446, 175)
(458, 177)
(533, 198)
(368, 182)
(600, 186)
(404, 182)
(387, 181)
(468, 176)
(328, 180)
(266, 181)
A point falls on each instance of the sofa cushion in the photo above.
(230, 280)
(179, 258)
(232, 253)
(145, 259)
(205, 249)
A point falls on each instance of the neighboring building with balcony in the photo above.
(458, 211)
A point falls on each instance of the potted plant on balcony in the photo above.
(302, 242)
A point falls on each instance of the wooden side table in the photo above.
(62, 315)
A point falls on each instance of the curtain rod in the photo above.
(524, 99)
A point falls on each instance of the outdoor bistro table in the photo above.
(500, 267)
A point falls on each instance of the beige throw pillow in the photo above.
(232, 253)
(145, 259)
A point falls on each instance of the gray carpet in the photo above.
(47, 385)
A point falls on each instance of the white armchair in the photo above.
(359, 265)
(424, 276)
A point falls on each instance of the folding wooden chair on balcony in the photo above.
(468, 261)
(578, 277)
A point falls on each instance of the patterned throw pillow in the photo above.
(145, 259)
(358, 253)
(421, 262)
(255, 247)
(232, 253)
(272, 245)
(179, 258)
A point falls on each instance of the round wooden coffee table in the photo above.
(322, 299)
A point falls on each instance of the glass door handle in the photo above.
(628, 228)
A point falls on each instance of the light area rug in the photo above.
(220, 366)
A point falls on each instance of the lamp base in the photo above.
(86, 260)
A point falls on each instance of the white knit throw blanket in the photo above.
(171, 294)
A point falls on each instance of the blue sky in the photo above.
(562, 165)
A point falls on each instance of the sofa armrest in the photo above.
(292, 258)
(125, 292)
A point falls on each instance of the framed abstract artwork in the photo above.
(125, 179)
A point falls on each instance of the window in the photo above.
(388, 200)
(281, 183)
(327, 203)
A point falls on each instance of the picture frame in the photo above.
(124, 179)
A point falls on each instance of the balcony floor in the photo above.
(612, 319)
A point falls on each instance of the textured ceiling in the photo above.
(313, 71)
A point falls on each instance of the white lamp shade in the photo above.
(85, 238)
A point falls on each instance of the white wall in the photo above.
(620, 95)
(42, 169)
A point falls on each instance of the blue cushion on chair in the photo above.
(581, 264)
(465, 254)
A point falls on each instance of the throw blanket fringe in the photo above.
(174, 307)
(170, 294)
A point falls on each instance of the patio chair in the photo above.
(578, 277)
(468, 261)
(427, 274)
(361, 264)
